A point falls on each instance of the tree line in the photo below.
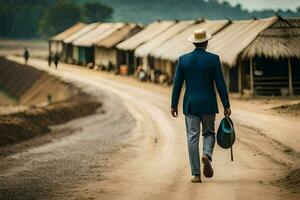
(43, 18)
(146, 11)
(36, 18)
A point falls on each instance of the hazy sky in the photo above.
(262, 4)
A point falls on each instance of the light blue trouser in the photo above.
(193, 133)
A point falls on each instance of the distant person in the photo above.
(50, 59)
(56, 60)
(199, 70)
(26, 55)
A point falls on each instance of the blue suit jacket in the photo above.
(199, 70)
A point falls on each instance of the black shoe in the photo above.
(207, 168)
(196, 179)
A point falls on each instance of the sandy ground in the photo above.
(137, 151)
(30, 89)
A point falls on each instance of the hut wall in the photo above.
(151, 62)
(69, 53)
(295, 63)
(145, 64)
(59, 47)
(148, 64)
(64, 52)
(271, 77)
(246, 75)
(131, 62)
(121, 58)
(85, 55)
(56, 47)
(104, 56)
(234, 79)
(75, 55)
(81, 56)
(157, 63)
(52, 46)
(97, 56)
(90, 55)
(169, 69)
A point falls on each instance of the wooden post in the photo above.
(127, 58)
(240, 78)
(49, 43)
(251, 77)
(145, 64)
(135, 62)
(56, 44)
(162, 67)
(290, 77)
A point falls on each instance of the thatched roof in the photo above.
(80, 33)
(119, 36)
(230, 42)
(151, 31)
(167, 45)
(63, 35)
(281, 40)
(172, 31)
(180, 45)
(102, 31)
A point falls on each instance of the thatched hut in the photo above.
(247, 51)
(106, 53)
(56, 42)
(85, 44)
(230, 43)
(128, 46)
(165, 56)
(274, 60)
(144, 50)
(71, 54)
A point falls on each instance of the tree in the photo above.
(97, 12)
(59, 17)
(20, 18)
(238, 6)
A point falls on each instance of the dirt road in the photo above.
(137, 151)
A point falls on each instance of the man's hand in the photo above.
(227, 112)
(174, 112)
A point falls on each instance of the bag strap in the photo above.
(231, 152)
(229, 121)
(231, 149)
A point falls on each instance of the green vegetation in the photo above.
(60, 16)
(35, 18)
(145, 11)
(97, 12)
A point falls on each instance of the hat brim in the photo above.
(194, 40)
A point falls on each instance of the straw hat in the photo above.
(199, 36)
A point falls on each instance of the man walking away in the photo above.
(56, 59)
(26, 55)
(200, 70)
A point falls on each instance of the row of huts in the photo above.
(259, 56)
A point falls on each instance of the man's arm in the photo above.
(177, 85)
(221, 87)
